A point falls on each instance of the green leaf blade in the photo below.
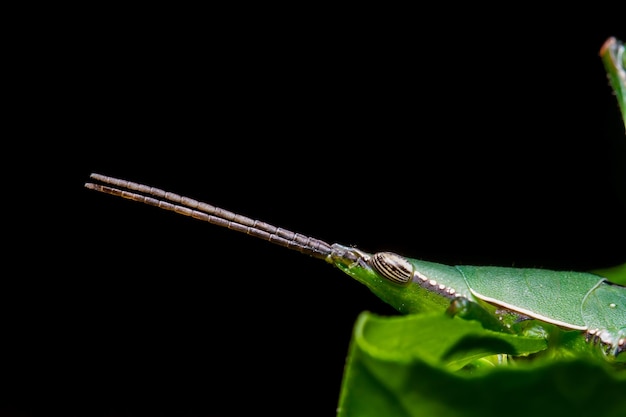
(437, 339)
(614, 60)
(386, 375)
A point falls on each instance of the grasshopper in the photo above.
(525, 301)
(502, 298)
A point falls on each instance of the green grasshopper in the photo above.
(501, 298)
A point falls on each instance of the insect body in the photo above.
(499, 297)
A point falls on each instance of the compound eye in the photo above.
(394, 267)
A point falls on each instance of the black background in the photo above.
(456, 139)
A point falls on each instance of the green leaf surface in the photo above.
(398, 368)
(437, 339)
(614, 60)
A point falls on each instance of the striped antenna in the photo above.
(208, 213)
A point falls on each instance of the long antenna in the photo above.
(208, 213)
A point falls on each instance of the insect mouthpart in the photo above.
(394, 267)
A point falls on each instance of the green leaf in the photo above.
(437, 339)
(614, 60)
(405, 366)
